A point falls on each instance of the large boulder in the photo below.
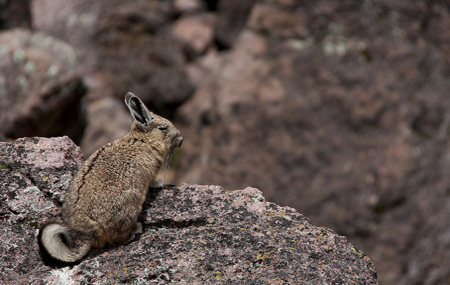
(192, 234)
(339, 109)
(40, 91)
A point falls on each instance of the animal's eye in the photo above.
(162, 128)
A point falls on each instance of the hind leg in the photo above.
(136, 231)
(128, 237)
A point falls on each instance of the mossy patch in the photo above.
(5, 166)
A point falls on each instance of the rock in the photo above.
(46, 163)
(195, 31)
(187, 6)
(126, 46)
(286, 23)
(231, 19)
(339, 110)
(40, 92)
(192, 234)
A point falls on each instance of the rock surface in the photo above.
(40, 92)
(34, 174)
(192, 234)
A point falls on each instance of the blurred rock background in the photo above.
(338, 108)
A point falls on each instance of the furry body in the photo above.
(105, 198)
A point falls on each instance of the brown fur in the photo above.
(104, 199)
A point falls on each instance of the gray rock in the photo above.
(34, 174)
(192, 234)
(40, 92)
(45, 163)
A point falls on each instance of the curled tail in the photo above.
(56, 241)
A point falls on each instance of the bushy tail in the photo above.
(56, 241)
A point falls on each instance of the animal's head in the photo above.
(153, 127)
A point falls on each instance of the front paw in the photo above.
(137, 230)
(157, 183)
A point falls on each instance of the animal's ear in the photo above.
(138, 110)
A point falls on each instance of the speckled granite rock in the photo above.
(192, 234)
(34, 173)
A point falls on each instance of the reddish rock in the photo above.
(195, 31)
(192, 234)
(48, 163)
(338, 109)
(231, 19)
(40, 91)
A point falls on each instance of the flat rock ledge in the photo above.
(193, 234)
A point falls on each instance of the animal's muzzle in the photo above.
(177, 142)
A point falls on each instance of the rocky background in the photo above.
(337, 108)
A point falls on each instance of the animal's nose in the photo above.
(180, 141)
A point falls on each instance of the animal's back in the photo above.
(107, 194)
